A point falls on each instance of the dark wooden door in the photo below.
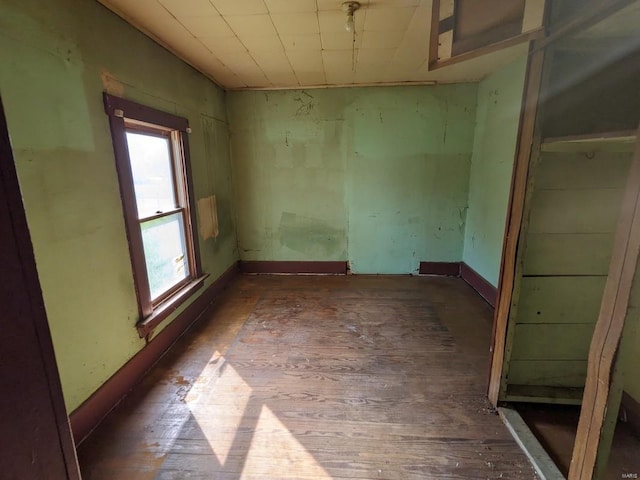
(35, 438)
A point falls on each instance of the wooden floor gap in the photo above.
(539, 458)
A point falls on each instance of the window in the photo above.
(464, 29)
(152, 159)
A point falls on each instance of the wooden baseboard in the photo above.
(468, 274)
(479, 284)
(449, 269)
(630, 411)
(89, 415)
(293, 267)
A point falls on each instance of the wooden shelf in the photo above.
(623, 141)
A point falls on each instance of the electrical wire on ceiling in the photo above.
(350, 26)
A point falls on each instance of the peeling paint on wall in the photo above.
(111, 84)
(311, 236)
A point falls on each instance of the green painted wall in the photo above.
(629, 355)
(377, 176)
(498, 113)
(57, 58)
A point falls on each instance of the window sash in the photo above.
(179, 196)
(176, 157)
(161, 297)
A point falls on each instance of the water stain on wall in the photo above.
(309, 235)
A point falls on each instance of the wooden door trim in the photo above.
(514, 219)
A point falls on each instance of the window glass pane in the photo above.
(152, 175)
(165, 252)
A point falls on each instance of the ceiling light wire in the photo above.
(353, 51)
(350, 26)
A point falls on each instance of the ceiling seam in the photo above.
(284, 50)
(196, 38)
(324, 68)
(244, 46)
(249, 51)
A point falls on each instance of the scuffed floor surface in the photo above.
(366, 377)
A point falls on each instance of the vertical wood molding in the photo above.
(434, 33)
(514, 221)
(599, 399)
(35, 426)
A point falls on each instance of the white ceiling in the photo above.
(248, 44)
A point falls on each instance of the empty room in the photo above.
(316, 239)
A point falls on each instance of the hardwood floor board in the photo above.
(181, 475)
(378, 341)
(327, 370)
(137, 466)
(301, 397)
(204, 440)
(348, 464)
(298, 421)
(359, 377)
(351, 353)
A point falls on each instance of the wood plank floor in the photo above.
(359, 377)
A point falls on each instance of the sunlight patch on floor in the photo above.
(219, 405)
(275, 452)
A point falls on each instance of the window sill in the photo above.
(146, 326)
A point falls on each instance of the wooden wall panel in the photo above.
(574, 213)
(560, 299)
(553, 341)
(575, 170)
(593, 92)
(593, 210)
(568, 254)
(558, 373)
(603, 386)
